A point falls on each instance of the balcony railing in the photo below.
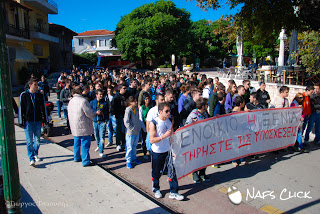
(20, 32)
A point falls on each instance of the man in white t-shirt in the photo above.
(159, 131)
(281, 101)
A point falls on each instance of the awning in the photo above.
(23, 55)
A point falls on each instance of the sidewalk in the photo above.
(59, 185)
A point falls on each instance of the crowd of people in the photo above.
(148, 107)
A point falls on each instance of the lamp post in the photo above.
(9, 161)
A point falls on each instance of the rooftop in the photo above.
(96, 32)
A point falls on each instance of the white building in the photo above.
(95, 41)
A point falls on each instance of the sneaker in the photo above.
(118, 148)
(32, 163)
(215, 166)
(129, 166)
(137, 161)
(197, 181)
(97, 149)
(90, 164)
(235, 164)
(37, 159)
(102, 155)
(176, 196)
(158, 194)
(109, 144)
(205, 178)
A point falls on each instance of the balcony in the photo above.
(42, 34)
(19, 33)
(48, 6)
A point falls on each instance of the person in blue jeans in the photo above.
(112, 120)
(59, 104)
(80, 116)
(100, 110)
(159, 131)
(132, 123)
(32, 113)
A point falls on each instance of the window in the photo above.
(80, 42)
(39, 26)
(37, 50)
(92, 43)
(101, 43)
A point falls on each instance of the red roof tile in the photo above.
(96, 32)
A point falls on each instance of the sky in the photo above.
(83, 15)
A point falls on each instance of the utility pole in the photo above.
(11, 183)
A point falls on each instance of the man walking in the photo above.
(32, 113)
(80, 116)
(65, 97)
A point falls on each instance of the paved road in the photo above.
(288, 171)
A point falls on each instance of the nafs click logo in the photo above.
(234, 195)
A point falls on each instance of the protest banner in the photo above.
(232, 136)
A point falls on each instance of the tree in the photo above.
(153, 31)
(309, 51)
(260, 18)
(207, 43)
(85, 58)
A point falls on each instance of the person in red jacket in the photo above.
(307, 112)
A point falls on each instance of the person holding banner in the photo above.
(239, 104)
(159, 132)
(281, 101)
(198, 114)
(298, 102)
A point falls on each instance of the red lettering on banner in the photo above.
(221, 142)
(257, 134)
(275, 133)
(228, 144)
(185, 156)
(205, 151)
(264, 134)
(295, 131)
(289, 131)
(192, 155)
(250, 121)
(212, 146)
(240, 138)
(285, 131)
(248, 138)
(247, 144)
(198, 151)
(279, 133)
(271, 134)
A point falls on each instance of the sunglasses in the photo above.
(300, 97)
(167, 111)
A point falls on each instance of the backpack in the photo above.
(148, 143)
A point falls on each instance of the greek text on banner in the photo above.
(232, 136)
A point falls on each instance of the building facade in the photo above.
(27, 35)
(61, 57)
(95, 41)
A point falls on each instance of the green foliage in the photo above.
(206, 42)
(85, 58)
(153, 31)
(309, 52)
(258, 19)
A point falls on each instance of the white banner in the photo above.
(233, 136)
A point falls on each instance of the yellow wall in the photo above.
(44, 44)
(12, 13)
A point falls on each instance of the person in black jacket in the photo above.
(32, 113)
(118, 107)
(65, 97)
(263, 95)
